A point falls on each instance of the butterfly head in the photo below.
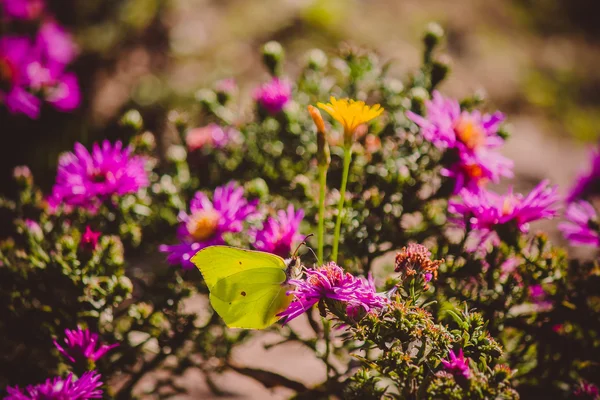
(294, 267)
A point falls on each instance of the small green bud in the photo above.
(207, 98)
(273, 57)
(433, 35)
(132, 119)
(257, 188)
(317, 59)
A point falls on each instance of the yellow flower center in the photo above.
(202, 224)
(350, 113)
(469, 132)
(508, 206)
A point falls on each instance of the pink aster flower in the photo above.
(86, 387)
(211, 135)
(274, 95)
(34, 229)
(588, 183)
(587, 390)
(208, 221)
(55, 44)
(89, 239)
(86, 179)
(583, 227)
(487, 212)
(457, 365)
(538, 295)
(57, 87)
(22, 9)
(472, 138)
(15, 57)
(83, 345)
(331, 282)
(278, 235)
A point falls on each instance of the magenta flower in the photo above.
(208, 222)
(279, 234)
(55, 44)
(331, 282)
(34, 229)
(537, 294)
(83, 345)
(457, 365)
(472, 137)
(57, 87)
(583, 228)
(89, 239)
(22, 9)
(588, 183)
(487, 213)
(87, 179)
(86, 387)
(274, 95)
(586, 390)
(15, 56)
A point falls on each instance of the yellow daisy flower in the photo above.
(350, 113)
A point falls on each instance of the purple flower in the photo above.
(86, 179)
(89, 239)
(331, 282)
(537, 293)
(457, 365)
(22, 9)
(472, 137)
(583, 228)
(278, 235)
(487, 212)
(474, 170)
(34, 229)
(83, 345)
(274, 95)
(55, 44)
(86, 387)
(208, 222)
(16, 54)
(586, 390)
(588, 183)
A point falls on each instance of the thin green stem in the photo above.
(338, 222)
(326, 331)
(321, 227)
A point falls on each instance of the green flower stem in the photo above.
(338, 222)
(321, 227)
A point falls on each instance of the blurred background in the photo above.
(536, 60)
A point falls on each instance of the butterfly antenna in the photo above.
(302, 243)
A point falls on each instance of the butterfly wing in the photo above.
(246, 287)
(251, 299)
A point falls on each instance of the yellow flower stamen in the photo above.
(350, 113)
(203, 224)
(470, 133)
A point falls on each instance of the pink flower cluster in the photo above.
(471, 139)
(332, 282)
(34, 68)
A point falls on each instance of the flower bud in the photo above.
(433, 35)
(132, 119)
(323, 153)
(273, 57)
(23, 176)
